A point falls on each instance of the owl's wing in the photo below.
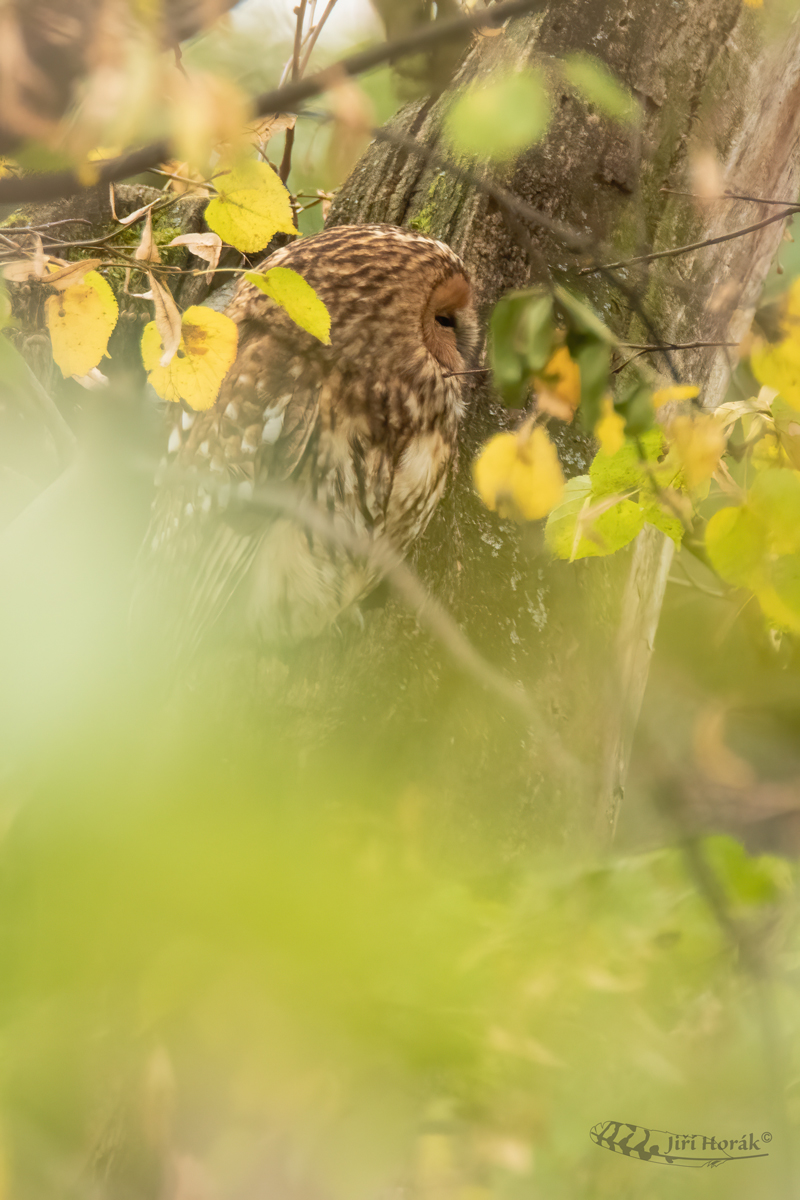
(202, 540)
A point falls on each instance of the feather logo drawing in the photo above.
(677, 1149)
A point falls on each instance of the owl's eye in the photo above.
(445, 319)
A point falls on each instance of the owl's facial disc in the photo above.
(449, 327)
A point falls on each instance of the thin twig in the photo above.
(288, 144)
(725, 237)
(286, 161)
(633, 297)
(106, 237)
(293, 61)
(182, 178)
(727, 195)
(571, 239)
(412, 591)
(674, 345)
(49, 225)
(627, 361)
(661, 347)
(61, 433)
(281, 99)
(379, 552)
(316, 30)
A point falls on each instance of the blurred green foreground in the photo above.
(236, 967)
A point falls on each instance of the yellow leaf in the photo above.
(778, 366)
(252, 205)
(558, 387)
(206, 353)
(768, 452)
(668, 394)
(518, 475)
(81, 320)
(610, 429)
(699, 442)
(297, 298)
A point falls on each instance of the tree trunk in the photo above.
(580, 635)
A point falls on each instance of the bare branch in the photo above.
(570, 238)
(286, 162)
(725, 237)
(48, 225)
(408, 586)
(662, 347)
(67, 183)
(316, 30)
(728, 195)
(34, 396)
(674, 345)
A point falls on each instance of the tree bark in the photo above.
(581, 635)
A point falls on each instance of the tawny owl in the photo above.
(365, 427)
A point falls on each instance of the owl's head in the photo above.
(449, 322)
(397, 299)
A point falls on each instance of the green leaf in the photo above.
(785, 578)
(610, 530)
(747, 880)
(297, 298)
(581, 318)
(500, 118)
(622, 472)
(598, 86)
(252, 205)
(656, 514)
(636, 406)
(736, 544)
(775, 498)
(521, 342)
(612, 474)
(594, 360)
(559, 532)
(618, 526)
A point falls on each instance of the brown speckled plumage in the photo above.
(366, 427)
